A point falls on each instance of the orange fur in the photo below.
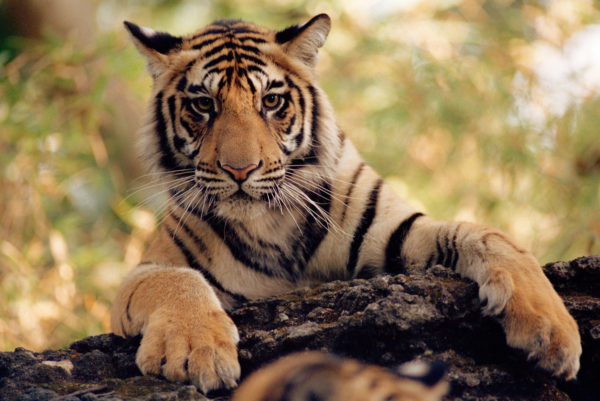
(267, 195)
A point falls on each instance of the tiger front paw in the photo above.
(534, 319)
(200, 349)
(546, 331)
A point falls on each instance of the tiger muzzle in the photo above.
(239, 174)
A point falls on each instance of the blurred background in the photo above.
(476, 110)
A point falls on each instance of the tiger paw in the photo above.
(200, 348)
(540, 325)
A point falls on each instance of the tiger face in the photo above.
(235, 114)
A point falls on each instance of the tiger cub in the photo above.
(311, 376)
(268, 195)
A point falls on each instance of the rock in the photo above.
(386, 320)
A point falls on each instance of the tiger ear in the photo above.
(153, 45)
(303, 41)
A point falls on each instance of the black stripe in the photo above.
(205, 170)
(204, 43)
(167, 159)
(197, 240)
(363, 226)
(454, 260)
(298, 138)
(231, 46)
(225, 57)
(250, 83)
(212, 31)
(283, 109)
(171, 105)
(284, 149)
(312, 157)
(245, 30)
(251, 38)
(261, 242)
(449, 253)
(270, 179)
(178, 141)
(216, 49)
(394, 262)
(360, 168)
(229, 73)
(429, 262)
(291, 123)
(194, 153)
(255, 68)
(187, 127)
(190, 65)
(300, 135)
(215, 70)
(250, 49)
(206, 179)
(193, 263)
(182, 84)
(197, 89)
(239, 249)
(440, 251)
(226, 79)
(314, 232)
(251, 58)
(274, 84)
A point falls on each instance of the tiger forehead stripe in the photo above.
(232, 46)
(237, 56)
(275, 84)
(238, 30)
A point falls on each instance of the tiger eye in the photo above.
(203, 104)
(271, 101)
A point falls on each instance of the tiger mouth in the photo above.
(241, 195)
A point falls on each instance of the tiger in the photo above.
(313, 375)
(267, 195)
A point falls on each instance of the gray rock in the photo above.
(386, 320)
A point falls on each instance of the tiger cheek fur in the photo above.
(266, 195)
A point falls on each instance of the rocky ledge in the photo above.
(386, 320)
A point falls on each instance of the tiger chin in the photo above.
(267, 195)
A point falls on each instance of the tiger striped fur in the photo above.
(316, 376)
(268, 195)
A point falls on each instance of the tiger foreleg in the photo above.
(186, 333)
(512, 286)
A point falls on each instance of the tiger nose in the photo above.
(239, 174)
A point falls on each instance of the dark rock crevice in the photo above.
(385, 320)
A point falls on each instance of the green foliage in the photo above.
(434, 96)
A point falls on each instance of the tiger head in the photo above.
(237, 125)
